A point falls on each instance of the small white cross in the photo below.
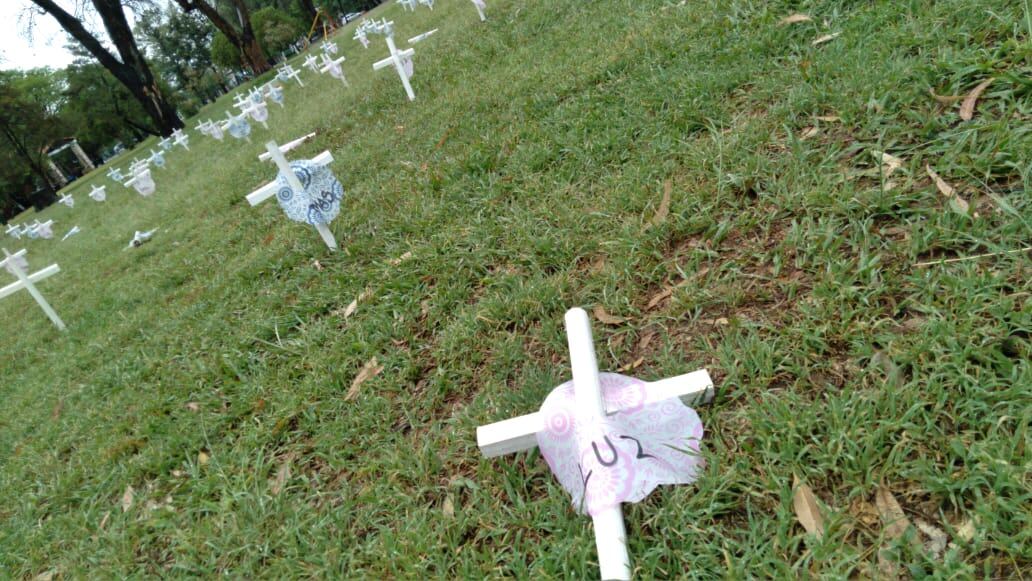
(142, 181)
(409, 5)
(330, 47)
(165, 143)
(273, 92)
(115, 174)
(16, 265)
(360, 36)
(428, 3)
(13, 230)
(275, 153)
(402, 60)
(332, 66)
(157, 159)
(520, 433)
(258, 111)
(312, 63)
(67, 200)
(75, 230)
(180, 138)
(288, 72)
(230, 119)
(98, 193)
(42, 230)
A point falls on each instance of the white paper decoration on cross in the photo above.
(98, 193)
(142, 182)
(67, 200)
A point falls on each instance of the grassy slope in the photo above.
(521, 180)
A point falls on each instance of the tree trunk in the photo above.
(308, 10)
(132, 70)
(244, 39)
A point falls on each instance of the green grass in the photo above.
(522, 180)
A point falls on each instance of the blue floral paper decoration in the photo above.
(319, 203)
(239, 127)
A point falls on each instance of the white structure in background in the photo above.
(142, 181)
(98, 193)
(67, 200)
(287, 72)
(181, 139)
(422, 37)
(409, 5)
(75, 230)
(139, 238)
(315, 202)
(332, 66)
(18, 266)
(480, 6)
(312, 62)
(595, 422)
(401, 60)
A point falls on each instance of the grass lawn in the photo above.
(194, 420)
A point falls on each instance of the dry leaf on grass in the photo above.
(889, 163)
(606, 318)
(55, 413)
(646, 338)
(895, 521)
(660, 297)
(400, 259)
(967, 108)
(937, 538)
(103, 520)
(449, 507)
(282, 475)
(664, 205)
(966, 530)
(193, 406)
(957, 204)
(826, 38)
(371, 369)
(203, 457)
(795, 19)
(828, 118)
(318, 265)
(127, 498)
(45, 576)
(945, 99)
(632, 365)
(805, 504)
(809, 132)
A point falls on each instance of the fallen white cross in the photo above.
(75, 230)
(401, 60)
(609, 446)
(306, 190)
(98, 193)
(480, 6)
(332, 66)
(422, 37)
(67, 200)
(18, 266)
(287, 72)
(139, 238)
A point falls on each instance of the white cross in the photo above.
(230, 118)
(13, 230)
(409, 5)
(142, 182)
(312, 63)
(165, 143)
(203, 126)
(115, 174)
(98, 193)
(67, 200)
(180, 138)
(258, 111)
(16, 265)
(330, 47)
(421, 37)
(157, 159)
(275, 153)
(332, 66)
(273, 92)
(480, 5)
(75, 230)
(520, 433)
(290, 73)
(137, 166)
(402, 60)
(42, 230)
(428, 3)
(360, 36)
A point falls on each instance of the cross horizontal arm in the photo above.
(520, 433)
(269, 190)
(33, 278)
